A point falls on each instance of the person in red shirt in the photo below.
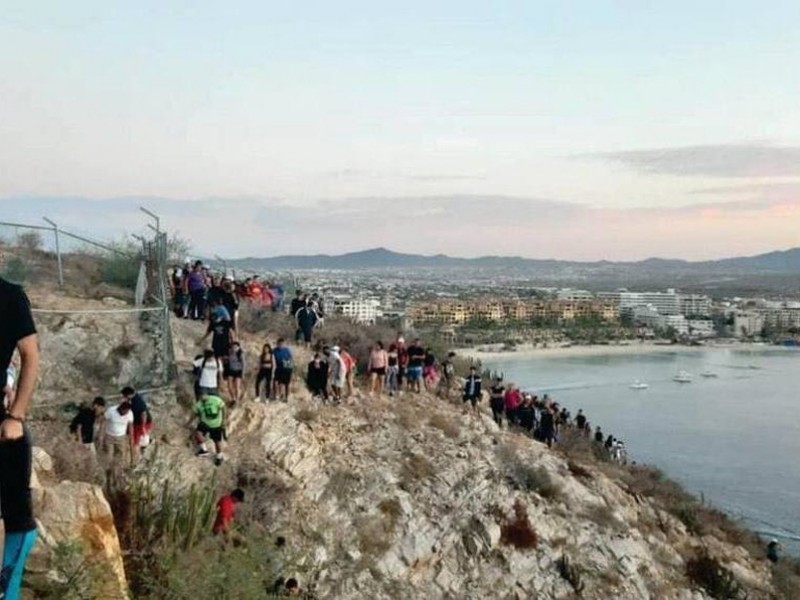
(513, 399)
(226, 509)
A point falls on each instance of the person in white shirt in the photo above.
(209, 371)
(118, 435)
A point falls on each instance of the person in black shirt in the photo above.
(230, 301)
(472, 389)
(82, 424)
(17, 332)
(547, 426)
(221, 339)
(317, 377)
(297, 303)
(497, 400)
(416, 360)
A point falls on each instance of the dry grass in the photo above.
(718, 582)
(517, 531)
(375, 532)
(527, 476)
(603, 516)
(786, 578)
(306, 415)
(446, 424)
(416, 468)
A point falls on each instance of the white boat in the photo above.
(708, 374)
(638, 385)
(683, 377)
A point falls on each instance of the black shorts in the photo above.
(215, 433)
(473, 399)
(231, 374)
(283, 376)
(221, 349)
(379, 371)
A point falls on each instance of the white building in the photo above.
(701, 328)
(571, 295)
(695, 305)
(666, 303)
(747, 323)
(676, 322)
(361, 310)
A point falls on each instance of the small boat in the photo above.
(683, 377)
(639, 385)
(708, 374)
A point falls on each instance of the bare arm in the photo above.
(11, 428)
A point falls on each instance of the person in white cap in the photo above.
(338, 373)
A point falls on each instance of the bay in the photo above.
(734, 438)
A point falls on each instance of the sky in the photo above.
(577, 130)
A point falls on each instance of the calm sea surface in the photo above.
(734, 438)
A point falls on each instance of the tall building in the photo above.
(697, 305)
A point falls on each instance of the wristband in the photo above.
(13, 418)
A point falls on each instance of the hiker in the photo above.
(230, 301)
(402, 360)
(233, 372)
(772, 550)
(526, 414)
(512, 401)
(580, 421)
(392, 383)
(296, 304)
(226, 511)
(142, 419)
(416, 360)
(378, 360)
(448, 375)
(430, 375)
(265, 369)
(350, 370)
(210, 412)
(497, 400)
(547, 426)
(472, 388)
(306, 319)
(208, 374)
(176, 288)
(17, 333)
(83, 424)
(598, 435)
(118, 437)
(317, 378)
(194, 285)
(284, 364)
(338, 373)
(219, 328)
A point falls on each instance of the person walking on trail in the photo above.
(547, 426)
(231, 301)
(306, 319)
(284, 366)
(195, 287)
(82, 425)
(297, 303)
(208, 371)
(265, 370)
(416, 360)
(233, 373)
(142, 419)
(117, 438)
(317, 378)
(497, 400)
(472, 389)
(392, 370)
(378, 361)
(448, 378)
(219, 328)
(402, 360)
(210, 412)
(17, 333)
(350, 366)
(226, 511)
(338, 374)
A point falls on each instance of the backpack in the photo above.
(210, 411)
(198, 371)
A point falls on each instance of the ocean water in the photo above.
(734, 438)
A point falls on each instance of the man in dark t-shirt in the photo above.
(17, 332)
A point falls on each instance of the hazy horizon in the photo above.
(587, 131)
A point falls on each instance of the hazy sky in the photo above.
(581, 129)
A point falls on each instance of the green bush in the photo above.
(15, 270)
(718, 582)
(120, 269)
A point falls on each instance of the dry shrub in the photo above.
(718, 582)
(306, 415)
(374, 535)
(518, 531)
(407, 416)
(272, 325)
(391, 509)
(446, 424)
(603, 516)
(525, 476)
(416, 468)
(579, 471)
(786, 577)
(357, 338)
(342, 484)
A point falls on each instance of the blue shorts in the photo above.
(414, 373)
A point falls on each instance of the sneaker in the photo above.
(257, 399)
(202, 453)
(218, 459)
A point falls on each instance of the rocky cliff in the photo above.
(411, 497)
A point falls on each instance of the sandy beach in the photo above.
(528, 351)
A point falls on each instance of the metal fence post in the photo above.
(58, 253)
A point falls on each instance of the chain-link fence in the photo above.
(102, 307)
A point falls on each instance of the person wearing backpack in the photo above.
(284, 365)
(82, 425)
(208, 372)
(210, 412)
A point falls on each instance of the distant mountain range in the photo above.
(786, 262)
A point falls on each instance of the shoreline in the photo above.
(529, 351)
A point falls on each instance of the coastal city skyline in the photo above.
(584, 132)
